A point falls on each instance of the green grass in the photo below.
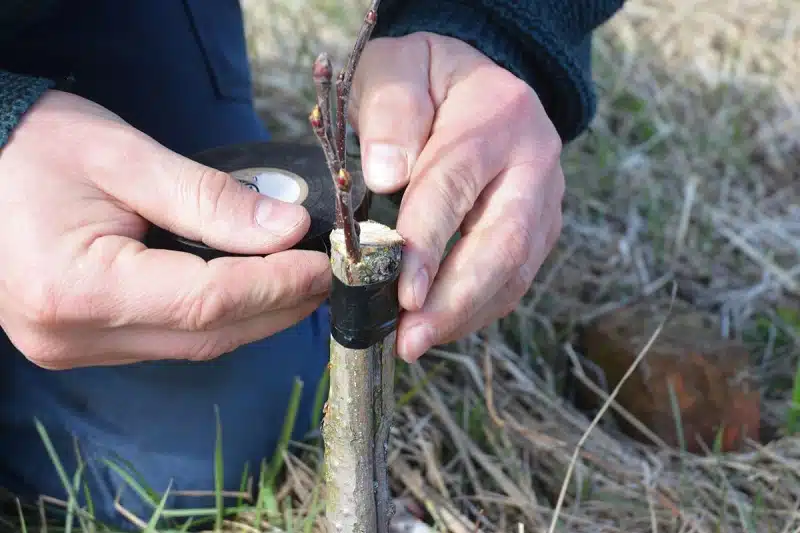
(164, 519)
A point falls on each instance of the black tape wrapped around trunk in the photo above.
(362, 315)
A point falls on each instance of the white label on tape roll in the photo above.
(275, 183)
(278, 186)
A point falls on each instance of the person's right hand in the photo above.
(77, 286)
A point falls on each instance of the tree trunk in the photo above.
(360, 405)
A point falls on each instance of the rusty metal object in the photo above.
(709, 376)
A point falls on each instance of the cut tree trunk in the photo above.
(360, 405)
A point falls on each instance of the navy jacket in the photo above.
(545, 42)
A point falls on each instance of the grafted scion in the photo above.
(333, 139)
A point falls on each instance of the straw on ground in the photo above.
(689, 178)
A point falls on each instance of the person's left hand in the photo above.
(478, 155)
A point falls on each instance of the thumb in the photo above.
(206, 205)
(391, 110)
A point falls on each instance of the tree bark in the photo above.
(360, 405)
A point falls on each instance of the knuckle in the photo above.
(207, 348)
(518, 286)
(298, 281)
(518, 91)
(205, 308)
(313, 283)
(515, 245)
(551, 157)
(464, 307)
(457, 188)
(430, 262)
(516, 254)
(551, 143)
(526, 102)
(208, 191)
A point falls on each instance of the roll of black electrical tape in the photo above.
(290, 172)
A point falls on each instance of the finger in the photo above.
(508, 298)
(135, 344)
(463, 289)
(202, 346)
(458, 162)
(391, 110)
(142, 286)
(504, 247)
(199, 202)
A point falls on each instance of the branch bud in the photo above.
(343, 180)
(322, 71)
(315, 118)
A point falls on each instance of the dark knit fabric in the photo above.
(544, 42)
(17, 94)
(547, 43)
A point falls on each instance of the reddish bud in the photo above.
(315, 118)
(322, 69)
(371, 17)
(343, 180)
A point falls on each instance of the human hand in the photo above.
(478, 154)
(77, 187)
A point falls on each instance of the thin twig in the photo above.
(320, 119)
(344, 81)
(334, 142)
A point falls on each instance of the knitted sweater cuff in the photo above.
(17, 94)
(544, 54)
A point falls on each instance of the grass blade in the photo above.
(219, 477)
(62, 474)
(151, 524)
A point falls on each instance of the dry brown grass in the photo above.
(686, 186)
(691, 174)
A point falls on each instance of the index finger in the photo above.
(140, 286)
(463, 155)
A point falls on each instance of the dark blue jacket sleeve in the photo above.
(17, 94)
(546, 43)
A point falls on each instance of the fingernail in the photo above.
(386, 166)
(417, 341)
(278, 218)
(419, 285)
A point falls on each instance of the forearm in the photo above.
(547, 43)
